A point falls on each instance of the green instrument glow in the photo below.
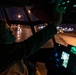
(73, 49)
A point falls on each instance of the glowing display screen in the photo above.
(65, 58)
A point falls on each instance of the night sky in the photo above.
(19, 14)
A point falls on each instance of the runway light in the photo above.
(29, 11)
(19, 16)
